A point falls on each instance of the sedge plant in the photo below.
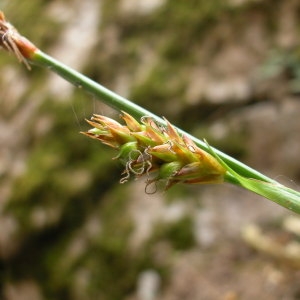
(148, 144)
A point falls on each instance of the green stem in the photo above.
(122, 104)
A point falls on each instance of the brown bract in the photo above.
(12, 41)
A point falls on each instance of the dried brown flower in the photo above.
(13, 42)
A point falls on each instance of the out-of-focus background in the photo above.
(226, 70)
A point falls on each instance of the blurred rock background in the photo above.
(228, 71)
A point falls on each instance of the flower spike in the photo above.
(148, 147)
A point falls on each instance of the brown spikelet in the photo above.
(14, 43)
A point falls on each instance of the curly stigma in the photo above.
(146, 147)
(13, 42)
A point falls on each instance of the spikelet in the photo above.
(147, 147)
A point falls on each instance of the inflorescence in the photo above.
(151, 148)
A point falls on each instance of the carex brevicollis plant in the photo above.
(148, 144)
